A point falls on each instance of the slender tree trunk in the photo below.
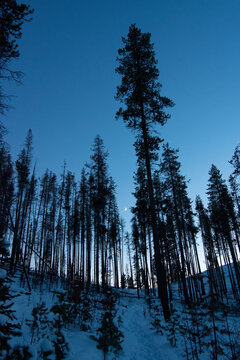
(160, 269)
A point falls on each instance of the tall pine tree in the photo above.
(12, 17)
(144, 107)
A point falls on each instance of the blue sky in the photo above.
(68, 55)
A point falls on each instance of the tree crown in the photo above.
(140, 89)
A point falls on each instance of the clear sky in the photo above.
(68, 55)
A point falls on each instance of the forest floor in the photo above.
(141, 342)
(189, 335)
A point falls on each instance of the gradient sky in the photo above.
(68, 56)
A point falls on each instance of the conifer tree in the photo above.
(69, 186)
(12, 17)
(234, 179)
(142, 216)
(89, 222)
(23, 165)
(112, 229)
(209, 248)
(6, 190)
(110, 336)
(180, 211)
(8, 325)
(59, 250)
(60, 345)
(222, 215)
(140, 93)
(130, 277)
(100, 177)
(235, 161)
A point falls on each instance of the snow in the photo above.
(3, 273)
(46, 345)
(146, 335)
(140, 341)
(3, 319)
(82, 346)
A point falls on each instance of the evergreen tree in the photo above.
(60, 227)
(222, 215)
(235, 161)
(68, 193)
(142, 216)
(60, 345)
(6, 190)
(234, 179)
(113, 230)
(140, 92)
(8, 325)
(100, 177)
(184, 232)
(23, 201)
(83, 210)
(12, 17)
(129, 278)
(39, 322)
(215, 276)
(136, 257)
(109, 335)
(89, 222)
(123, 281)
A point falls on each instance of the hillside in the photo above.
(138, 323)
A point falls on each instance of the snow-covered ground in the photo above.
(141, 341)
(189, 335)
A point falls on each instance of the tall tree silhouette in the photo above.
(180, 242)
(215, 275)
(140, 93)
(100, 176)
(234, 178)
(6, 189)
(23, 165)
(222, 215)
(12, 17)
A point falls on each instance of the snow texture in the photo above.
(143, 339)
(3, 273)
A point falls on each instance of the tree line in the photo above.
(67, 227)
(73, 228)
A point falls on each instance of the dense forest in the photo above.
(71, 228)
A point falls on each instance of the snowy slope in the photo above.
(146, 335)
(141, 342)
